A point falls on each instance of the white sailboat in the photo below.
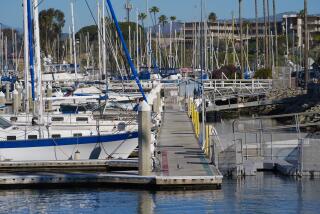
(49, 138)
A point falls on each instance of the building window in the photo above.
(56, 136)
(32, 137)
(11, 138)
(13, 119)
(82, 119)
(55, 119)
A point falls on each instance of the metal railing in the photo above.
(281, 137)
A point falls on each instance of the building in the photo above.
(295, 27)
(229, 29)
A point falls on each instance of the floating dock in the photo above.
(181, 153)
(115, 180)
(183, 165)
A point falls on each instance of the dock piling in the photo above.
(15, 101)
(144, 120)
(2, 101)
(49, 94)
(7, 91)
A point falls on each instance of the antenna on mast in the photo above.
(128, 7)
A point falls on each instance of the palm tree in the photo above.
(154, 10)
(173, 18)
(212, 17)
(142, 17)
(163, 20)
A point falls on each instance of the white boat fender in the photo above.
(77, 155)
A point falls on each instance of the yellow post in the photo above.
(192, 112)
(198, 124)
(207, 139)
(189, 107)
(195, 123)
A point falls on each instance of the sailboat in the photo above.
(43, 139)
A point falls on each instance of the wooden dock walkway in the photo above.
(181, 154)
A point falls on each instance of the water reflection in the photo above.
(146, 203)
(265, 193)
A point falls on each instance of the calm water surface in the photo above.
(265, 193)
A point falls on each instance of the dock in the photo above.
(182, 163)
(181, 153)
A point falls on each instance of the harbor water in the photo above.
(264, 193)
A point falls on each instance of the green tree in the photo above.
(51, 22)
(301, 13)
(154, 10)
(91, 29)
(163, 20)
(142, 17)
(212, 17)
(263, 73)
(173, 18)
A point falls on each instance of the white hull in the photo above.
(115, 149)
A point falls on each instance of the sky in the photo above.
(11, 11)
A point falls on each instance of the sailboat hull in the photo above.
(116, 146)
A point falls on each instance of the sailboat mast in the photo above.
(13, 49)
(265, 43)
(74, 42)
(26, 52)
(287, 39)
(159, 37)
(257, 35)
(99, 40)
(306, 45)
(129, 39)
(137, 42)
(1, 47)
(269, 35)
(6, 53)
(184, 44)
(241, 39)
(30, 42)
(70, 45)
(104, 57)
(16, 49)
(233, 46)
(275, 34)
(170, 47)
(38, 60)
